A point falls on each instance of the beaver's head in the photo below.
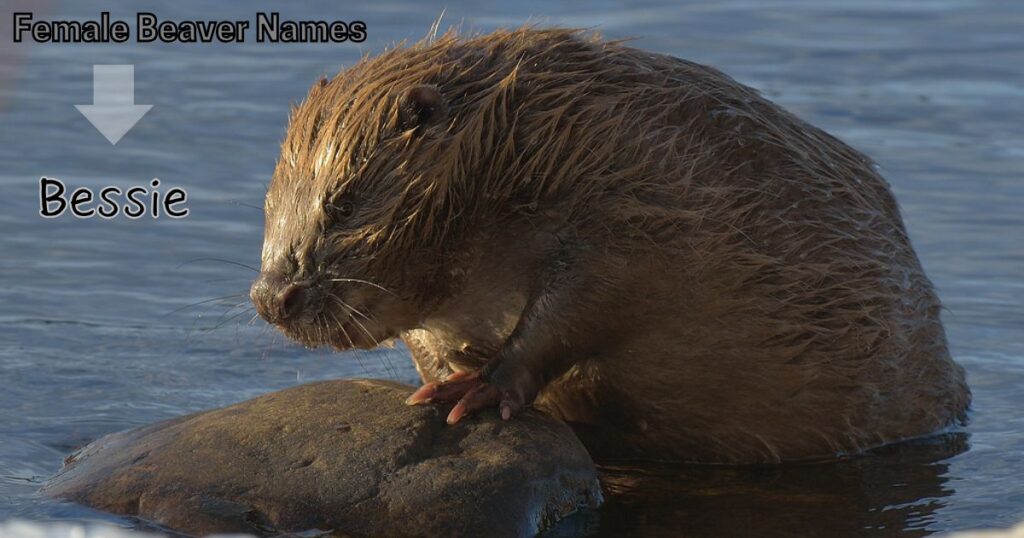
(394, 172)
(345, 259)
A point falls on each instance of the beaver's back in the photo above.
(775, 229)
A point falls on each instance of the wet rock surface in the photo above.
(344, 456)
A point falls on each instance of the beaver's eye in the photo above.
(341, 209)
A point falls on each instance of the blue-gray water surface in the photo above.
(96, 332)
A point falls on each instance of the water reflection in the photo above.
(892, 490)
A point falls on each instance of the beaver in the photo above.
(634, 243)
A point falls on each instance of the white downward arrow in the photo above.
(113, 110)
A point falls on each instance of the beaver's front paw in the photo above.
(473, 392)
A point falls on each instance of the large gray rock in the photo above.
(346, 456)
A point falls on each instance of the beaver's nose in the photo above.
(276, 299)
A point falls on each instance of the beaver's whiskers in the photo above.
(367, 282)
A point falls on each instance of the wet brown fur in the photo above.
(746, 290)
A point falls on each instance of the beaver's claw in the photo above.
(471, 392)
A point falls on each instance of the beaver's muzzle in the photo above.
(277, 299)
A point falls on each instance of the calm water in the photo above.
(91, 342)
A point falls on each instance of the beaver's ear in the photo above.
(421, 107)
